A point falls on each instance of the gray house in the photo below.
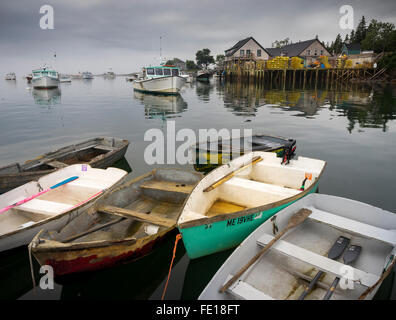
(308, 50)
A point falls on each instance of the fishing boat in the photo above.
(110, 75)
(126, 224)
(186, 76)
(87, 75)
(210, 155)
(340, 239)
(164, 79)
(98, 152)
(51, 201)
(10, 76)
(45, 78)
(234, 199)
(65, 79)
(203, 75)
(29, 78)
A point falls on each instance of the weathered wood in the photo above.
(57, 164)
(231, 174)
(167, 186)
(150, 218)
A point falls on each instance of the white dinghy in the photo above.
(51, 202)
(289, 266)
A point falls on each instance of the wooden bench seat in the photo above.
(244, 291)
(323, 263)
(167, 186)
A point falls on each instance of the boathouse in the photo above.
(246, 49)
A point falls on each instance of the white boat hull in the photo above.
(55, 208)
(45, 83)
(10, 78)
(164, 85)
(277, 274)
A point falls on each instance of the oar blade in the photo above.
(352, 254)
(338, 248)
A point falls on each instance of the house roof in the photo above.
(292, 50)
(353, 46)
(240, 44)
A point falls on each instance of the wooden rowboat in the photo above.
(44, 204)
(292, 262)
(210, 155)
(125, 225)
(97, 152)
(234, 199)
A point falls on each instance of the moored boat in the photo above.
(65, 79)
(203, 75)
(305, 263)
(45, 78)
(51, 201)
(98, 152)
(234, 199)
(163, 79)
(210, 155)
(126, 224)
(10, 76)
(87, 75)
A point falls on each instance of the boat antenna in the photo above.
(160, 49)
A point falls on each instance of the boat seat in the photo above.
(170, 186)
(105, 148)
(244, 291)
(323, 263)
(57, 164)
(354, 226)
(45, 207)
(261, 186)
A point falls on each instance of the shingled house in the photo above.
(246, 49)
(308, 50)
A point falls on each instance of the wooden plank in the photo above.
(57, 164)
(323, 263)
(244, 291)
(167, 186)
(354, 226)
(151, 218)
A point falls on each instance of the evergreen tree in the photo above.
(361, 31)
(352, 36)
(338, 44)
(346, 40)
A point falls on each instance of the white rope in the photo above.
(31, 264)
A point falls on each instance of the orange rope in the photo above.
(178, 237)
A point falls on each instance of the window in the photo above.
(150, 71)
(321, 52)
(158, 72)
(242, 53)
(167, 72)
(248, 53)
(175, 72)
(308, 52)
(316, 52)
(258, 53)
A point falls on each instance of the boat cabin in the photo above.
(161, 71)
(45, 73)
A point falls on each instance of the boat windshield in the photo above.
(167, 72)
(150, 71)
(159, 72)
(175, 72)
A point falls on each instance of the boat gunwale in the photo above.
(227, 216)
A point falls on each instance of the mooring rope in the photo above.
(178, 237)
(31, 264)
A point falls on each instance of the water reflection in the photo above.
(370, 107)
(46, 97)
(203, 90)
(161, 106)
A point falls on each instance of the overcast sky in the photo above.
(96, 35)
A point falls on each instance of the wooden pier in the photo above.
(307, 77)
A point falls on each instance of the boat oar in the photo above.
(295, 220)
(350, 256)
(38, 194)
(334, 253)
(231, 174)
(385, 273)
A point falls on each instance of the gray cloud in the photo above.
(98, 34)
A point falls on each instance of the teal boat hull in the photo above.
(221, 235)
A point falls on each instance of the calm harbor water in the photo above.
(353, 128)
